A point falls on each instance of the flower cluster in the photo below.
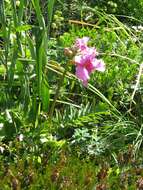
(86, 61)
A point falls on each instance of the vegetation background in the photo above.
(54, 132)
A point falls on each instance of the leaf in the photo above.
(45, 96)
(40, 18)
(23, 28)
(31, 47)
(2, 70)
(50, 11)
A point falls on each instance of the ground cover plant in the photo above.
(71, 95)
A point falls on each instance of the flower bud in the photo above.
(68, 52)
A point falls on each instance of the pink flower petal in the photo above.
(100, 65)
(81, 43)
(85, 83)
(78, 59)
(82, 74)
(90, 51)
(82, 60)
(90, 67)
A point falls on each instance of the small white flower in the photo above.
(1, 126)
(1, 149)
(20, 137)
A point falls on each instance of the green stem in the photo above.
(37, 116)
(57, 94)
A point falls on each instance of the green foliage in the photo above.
(127, 10)
(63, 171)
(55, 133)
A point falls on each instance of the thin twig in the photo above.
(136, 85)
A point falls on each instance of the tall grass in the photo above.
(15, 52)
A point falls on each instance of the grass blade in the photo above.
(50, 13)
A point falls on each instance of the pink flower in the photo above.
(86, 61)
(81, 43)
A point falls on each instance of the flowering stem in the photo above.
(57, 94)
